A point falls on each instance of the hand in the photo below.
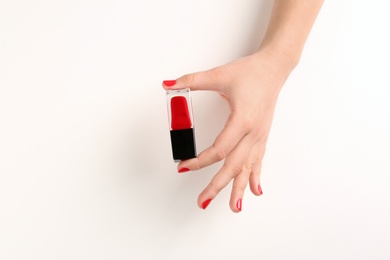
(250, 86)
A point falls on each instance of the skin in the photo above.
(251, 86)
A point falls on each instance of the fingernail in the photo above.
(169, 83)
(206, 203)
(184, 169)
(239, 204)
(260, 190)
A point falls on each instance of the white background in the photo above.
(85, 159)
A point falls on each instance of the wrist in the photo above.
(278, 61)
(285, 58)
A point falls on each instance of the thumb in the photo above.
(204, 80)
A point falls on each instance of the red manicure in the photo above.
(206, 203)
(239, 204)
(169, 83)
(260, 190)
(184, 169)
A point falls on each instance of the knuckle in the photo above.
(246, 124)
(198, 165)
(220, 153)
(258, 134)
(189, 78)
(248, 167)
(236, 170)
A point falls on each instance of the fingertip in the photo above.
(204, 200)
(206, 197)
(236, 205)
(260, 190)
(186, 81)
(183, 170)
(171, 84)
(183, 167)
(254, 186)
(205, 204)
(191, 164)
(196, 81)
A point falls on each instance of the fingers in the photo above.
(241, 180)
(239, 185)
(204, 80)
(223, 145)
(254, 178)
(233, 166)
(243, 165)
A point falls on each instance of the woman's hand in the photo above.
(250, 86)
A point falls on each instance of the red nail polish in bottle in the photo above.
(181, 124)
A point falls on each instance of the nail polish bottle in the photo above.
(181, 124)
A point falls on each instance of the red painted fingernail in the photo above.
(169, 83)
(206, 203)
(239, 204)
(260, 190)
(184, 169)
